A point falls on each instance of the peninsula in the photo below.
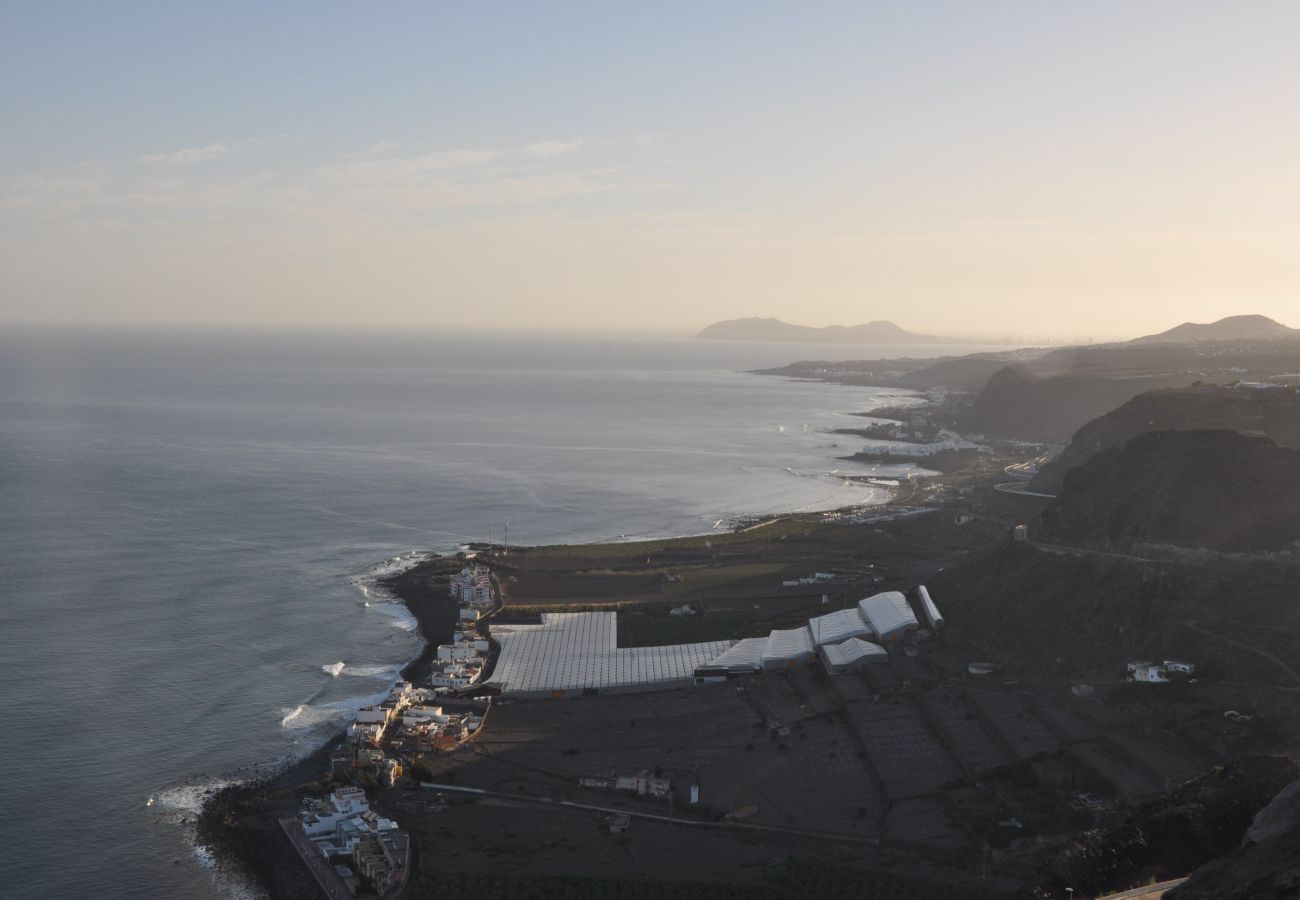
(759, 329)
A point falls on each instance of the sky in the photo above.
(1075, 169)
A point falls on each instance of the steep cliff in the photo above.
(1214, 489)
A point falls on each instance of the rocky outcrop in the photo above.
(1218, 490)
(1265, 867)
(1201, 821)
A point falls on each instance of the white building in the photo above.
(576, 652)
(852, 654)
(458, 652)
(473, 584)
(838, 626)
(321, 816)
(889, 615)
(1150, 674)
(787, 648)
(745, 655)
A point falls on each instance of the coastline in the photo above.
(237, 824)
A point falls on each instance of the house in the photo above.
(1149, 674)
(322, 817)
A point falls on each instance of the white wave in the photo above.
(335, 669)
(180, 805)
(374, 671)
(187, 799)
(313, 717)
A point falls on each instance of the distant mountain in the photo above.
(757, 329)
(1233, 328)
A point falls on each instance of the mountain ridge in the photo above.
(1231, 328)
(756, 328)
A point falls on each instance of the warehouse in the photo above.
(569, 653)
(851, 654)
(889, 615)
(835, 627)
(787, 648)
(742, 656)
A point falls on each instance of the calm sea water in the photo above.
(187, 525)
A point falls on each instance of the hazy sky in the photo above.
(1088, 168)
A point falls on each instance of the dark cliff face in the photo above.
(1273, 413)
(1204, 819)
(1214, 489)
(1267, 864)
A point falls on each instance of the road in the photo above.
(1256, 650)
(655, 817)
(1147, 892)
(1018, 488)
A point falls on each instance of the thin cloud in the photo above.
(552, 149)
(188, 156)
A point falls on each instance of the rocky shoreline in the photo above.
(238, 823)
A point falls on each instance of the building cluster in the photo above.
(460, 663)
(472, 585)
(572, 653)
(426, 728)
(814, 578)
(405, 723)
(1159, 673)
(363, 848)
(643, 783)
(844, 639)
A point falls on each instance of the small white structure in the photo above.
(929, 609)
(838, 626)
(851, 654)
(889, 615)
(1150, 674)
(787, 648)
(1021, 533)
(1179, 667)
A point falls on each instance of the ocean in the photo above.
(190, 525)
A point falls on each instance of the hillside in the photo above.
(759, 329)
(1199, 821)
(1215, 489)
(1271, 413)
(1040, 614)
(1017, 403)
(1265, 867)
(1233, 328)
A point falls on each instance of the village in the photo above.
(349, 848)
